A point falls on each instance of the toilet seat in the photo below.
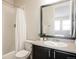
(22, 53)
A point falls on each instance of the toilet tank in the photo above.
(28, 46)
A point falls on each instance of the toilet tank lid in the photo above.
(22, 53)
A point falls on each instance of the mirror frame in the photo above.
(73, 19)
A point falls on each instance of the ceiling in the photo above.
(18, 3)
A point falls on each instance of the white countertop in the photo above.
(71, 46)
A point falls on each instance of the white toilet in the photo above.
(25, 53)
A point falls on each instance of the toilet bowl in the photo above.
(24, 54)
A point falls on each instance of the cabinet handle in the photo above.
(49, 53)
(54, 54)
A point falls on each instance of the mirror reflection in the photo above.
(57, 19)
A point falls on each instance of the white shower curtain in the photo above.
(20, 35)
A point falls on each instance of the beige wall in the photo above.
(32, 10)
(8, 31)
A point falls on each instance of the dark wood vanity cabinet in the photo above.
(47, 53)
(41, 52)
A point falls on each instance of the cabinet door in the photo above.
(40, 52)
(64, 55)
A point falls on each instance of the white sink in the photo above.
(54, 43)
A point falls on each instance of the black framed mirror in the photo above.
(58, 20)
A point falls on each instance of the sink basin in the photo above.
(56, 44)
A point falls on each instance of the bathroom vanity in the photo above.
(41, 50)
(47, 53)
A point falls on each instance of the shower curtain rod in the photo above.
(11, 4)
